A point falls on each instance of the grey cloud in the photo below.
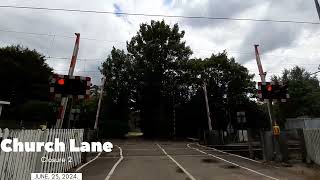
(65, 24)
(213, 8)
(271, 36)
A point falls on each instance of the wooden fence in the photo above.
(312, 141)
(19, 165)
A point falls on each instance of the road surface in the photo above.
(165, 160)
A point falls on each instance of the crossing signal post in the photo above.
(269, 92)
(66, 86)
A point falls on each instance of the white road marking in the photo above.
(251, 170)
(151, 149)
(179, 165)
(229, 153)
(154, 149)
(115, 165)
(79, 168)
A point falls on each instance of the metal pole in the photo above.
(249, 133)
(207, 105)
(64, 100)
(71, 106)
(174, 117)
(103, 80)
(318, 7)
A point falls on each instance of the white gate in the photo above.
(19, 165)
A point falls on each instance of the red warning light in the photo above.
(61, 81)
(269, 88)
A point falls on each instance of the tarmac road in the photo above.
(161, 160)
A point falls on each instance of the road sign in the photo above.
(241, 117)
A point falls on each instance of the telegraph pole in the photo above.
(103, 80)
(318, 7)
(207, 105)
(174, 116)
(64, 100)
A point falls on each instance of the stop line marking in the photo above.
(248, 169)
(179, 165)
(229, 153)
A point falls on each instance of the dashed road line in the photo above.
(115, 165)
(248, 169)
(179, 165)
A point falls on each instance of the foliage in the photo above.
(304, 94)
(229, 86)
(39, 112)
(119, 92)
(157, 79)
(26, 75)
(157, 49)
(25, 83)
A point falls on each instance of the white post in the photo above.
(103, 80)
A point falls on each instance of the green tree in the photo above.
(25, 77)
(157, 80)
(304, 94)
(229, 87)
(156, 49)
(26, 74)
(119, 92)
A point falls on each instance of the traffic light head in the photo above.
(60, 82)
(63, 85)
(273, 91)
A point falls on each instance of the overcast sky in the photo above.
(282, 45)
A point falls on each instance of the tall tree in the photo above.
(119, 92)
(26, 75)
(157, 80)
(229, 87)
(156, 49)
(25, 83)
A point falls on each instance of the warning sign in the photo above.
(276, 130)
